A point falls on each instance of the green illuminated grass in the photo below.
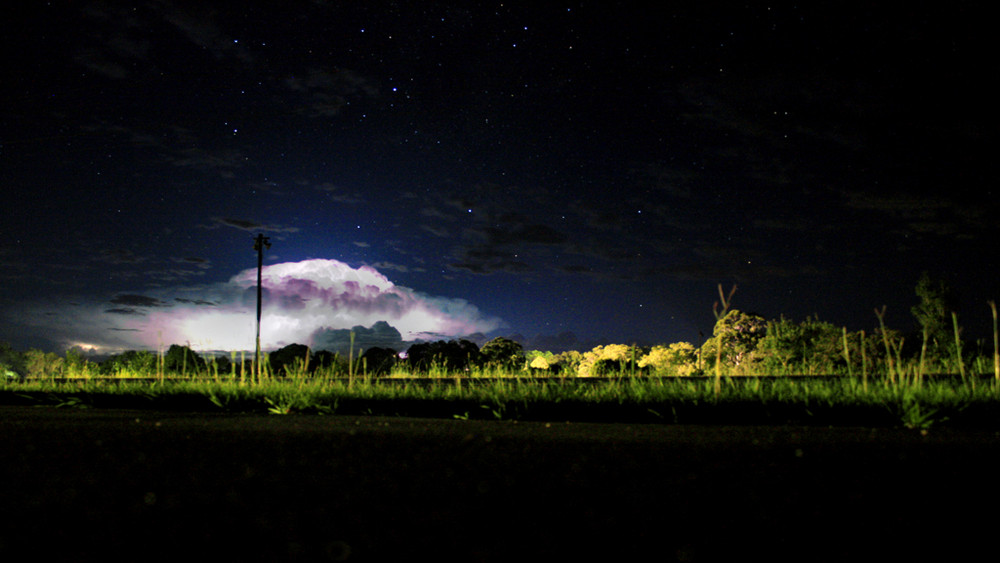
(708, 400)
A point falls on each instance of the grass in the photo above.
(907, 402)
(898, 390)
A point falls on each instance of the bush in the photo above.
(42, 364)
(679, 358)
(133, 362)
(809, 347)
(613, 358)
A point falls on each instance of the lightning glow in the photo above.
(300, 301)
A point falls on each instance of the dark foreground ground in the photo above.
(111, 485)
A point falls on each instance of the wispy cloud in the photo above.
(247, 225)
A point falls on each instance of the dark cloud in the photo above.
(124, 311)
(195, 301)
(131, 300)
(381, 334)
(246, 225)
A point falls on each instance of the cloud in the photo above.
(246, 225)
(311, 302)
(137, 301)
(381, 334)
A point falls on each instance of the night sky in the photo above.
(436, 170)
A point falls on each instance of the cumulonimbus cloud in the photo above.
(302, 302)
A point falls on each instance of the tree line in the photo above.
(742, 343)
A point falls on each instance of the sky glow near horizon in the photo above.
(302, 302)
(303, 298)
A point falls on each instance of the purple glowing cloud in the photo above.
(301, 300)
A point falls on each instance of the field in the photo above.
(812, 400)
(105, 484)
(750, 371)
(711, 455)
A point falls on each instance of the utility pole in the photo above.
(259, 244)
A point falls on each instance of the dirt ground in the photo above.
(112, 485)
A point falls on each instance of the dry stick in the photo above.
(847, 354)
(958, 347)
(900, 370)
(350, 363)
(996, 344)
(885, 341)
(719, 315)
(864, 364)
(923, 355)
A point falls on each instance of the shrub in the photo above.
(679, 358)
(42, 364)
(138, 362)
(808, 347)
(603, 360)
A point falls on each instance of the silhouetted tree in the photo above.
(451, 355)
(222, 365)
(182, 359)
(324, 359)
(502, 353)
(290, 359)
(933, 314)
(11, 361)
(379, 361)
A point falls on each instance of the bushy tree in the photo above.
(42, 364)
(136, 362)
(326, 360)
(502, 353)
(293, 358)
(738, 334)
(379, 361)
(450, 355)
(933, 315)
(811, 346)
(539, 363)
(679, 358)
(543, 361)
(221, 365)
(182, 359)
(11, 361)
(568, 362)
(612, 358)
(76, 363)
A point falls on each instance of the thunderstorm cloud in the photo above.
(314, 302)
